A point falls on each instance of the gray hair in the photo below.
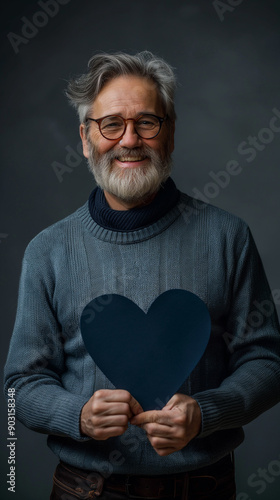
(103, 67)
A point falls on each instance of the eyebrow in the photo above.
(137, 115)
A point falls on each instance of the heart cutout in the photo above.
(150, 355)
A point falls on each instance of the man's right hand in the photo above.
(107, 413)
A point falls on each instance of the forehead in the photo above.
(128, 94)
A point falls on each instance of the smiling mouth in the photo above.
(131, 159)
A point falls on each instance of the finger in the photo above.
(168, 406)
(104, 433)
(117, 395)
(113, 395)
(106, 408)
(145, 417)
(153, 416)
(164, 447)
(158, 430)
(110, 421)
(120, 395)
(163, 452)
(179, 401)
(160, 442)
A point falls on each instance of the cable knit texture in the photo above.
(194, 247)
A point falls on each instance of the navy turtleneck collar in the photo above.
(135, 218)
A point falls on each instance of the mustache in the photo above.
(133, 153)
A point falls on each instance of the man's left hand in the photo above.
(173, 427)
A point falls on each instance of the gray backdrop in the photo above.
(226, 56)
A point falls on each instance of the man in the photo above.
(138, 236)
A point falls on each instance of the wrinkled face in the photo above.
(130, 168)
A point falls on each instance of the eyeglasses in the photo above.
(114, 127)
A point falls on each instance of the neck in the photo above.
(117, 204)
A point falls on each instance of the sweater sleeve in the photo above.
(35, 361)
(252, 340)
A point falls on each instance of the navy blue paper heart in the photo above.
(150, 355)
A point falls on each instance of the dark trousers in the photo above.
(214, 482)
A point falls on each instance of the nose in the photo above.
(130, 139)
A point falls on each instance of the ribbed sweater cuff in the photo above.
(68, 416)
(61, 415)
(218, 411)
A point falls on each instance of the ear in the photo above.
(84, 140)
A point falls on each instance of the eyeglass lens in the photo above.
(112, 127)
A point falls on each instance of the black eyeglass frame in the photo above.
(99, 120)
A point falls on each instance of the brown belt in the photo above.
(169, 486)
(200, 481)
(150, 487)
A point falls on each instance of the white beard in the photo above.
(129, 184)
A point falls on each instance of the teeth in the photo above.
(129, 158)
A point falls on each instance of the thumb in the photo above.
(135, 407)
(171, 403)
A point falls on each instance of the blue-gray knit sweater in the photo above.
(194, 247)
